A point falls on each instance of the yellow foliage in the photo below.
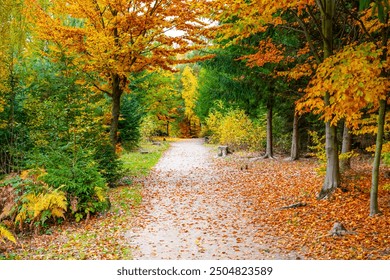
(6, 234)
(235, 129)
(34, 206)
(353, 80)
(34, 174)
(189, 93)
(318, 151)
(299, 71)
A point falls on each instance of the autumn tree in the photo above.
(189, 94)
(112, 39)
(316, 21)
(383, 18)
(356, 81)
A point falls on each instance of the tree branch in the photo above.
(308, 38)
(359, 21)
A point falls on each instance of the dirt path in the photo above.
(190, 212)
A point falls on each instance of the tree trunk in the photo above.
(378, 151)
(295, 139)
(345, 163)
(332, 178)
(269, 148)
(115, 110)
(374, 209)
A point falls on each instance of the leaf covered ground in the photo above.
(217, 216)
(273, 184)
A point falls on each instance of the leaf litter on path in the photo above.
(193, 210)
(197, 206)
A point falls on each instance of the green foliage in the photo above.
(130, 121)
(235, 129)
(161, 101)
(386, 158)
(74, 170)
(73, 147)
(109, 165)
(149, 127)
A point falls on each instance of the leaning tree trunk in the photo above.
(374, 209)
(332, 177)
(269, 148)
(295, 139)
(345, 163)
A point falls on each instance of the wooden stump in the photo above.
(223, 151)
(338, 230)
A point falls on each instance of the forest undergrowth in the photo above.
(101, 236)
(286, 213)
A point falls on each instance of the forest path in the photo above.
(190, 211)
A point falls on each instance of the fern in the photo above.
(6, 234)
(40, 207)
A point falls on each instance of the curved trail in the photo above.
(190, 212)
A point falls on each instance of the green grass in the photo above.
(140, 162)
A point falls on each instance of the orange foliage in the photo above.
(268, 53)
(121, 37)
(254, 16)
(353, 79)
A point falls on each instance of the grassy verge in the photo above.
(103, 236)
(140, 162)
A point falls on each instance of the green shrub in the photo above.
(318, 150)
(76, 172)
(108, 164)
(386, 158)
(130, 122)
(149, 127)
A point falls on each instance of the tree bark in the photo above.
(374, 209)
(115, 110)
(345, 163)
(269, 148)
(295, 139)
(332, 177)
